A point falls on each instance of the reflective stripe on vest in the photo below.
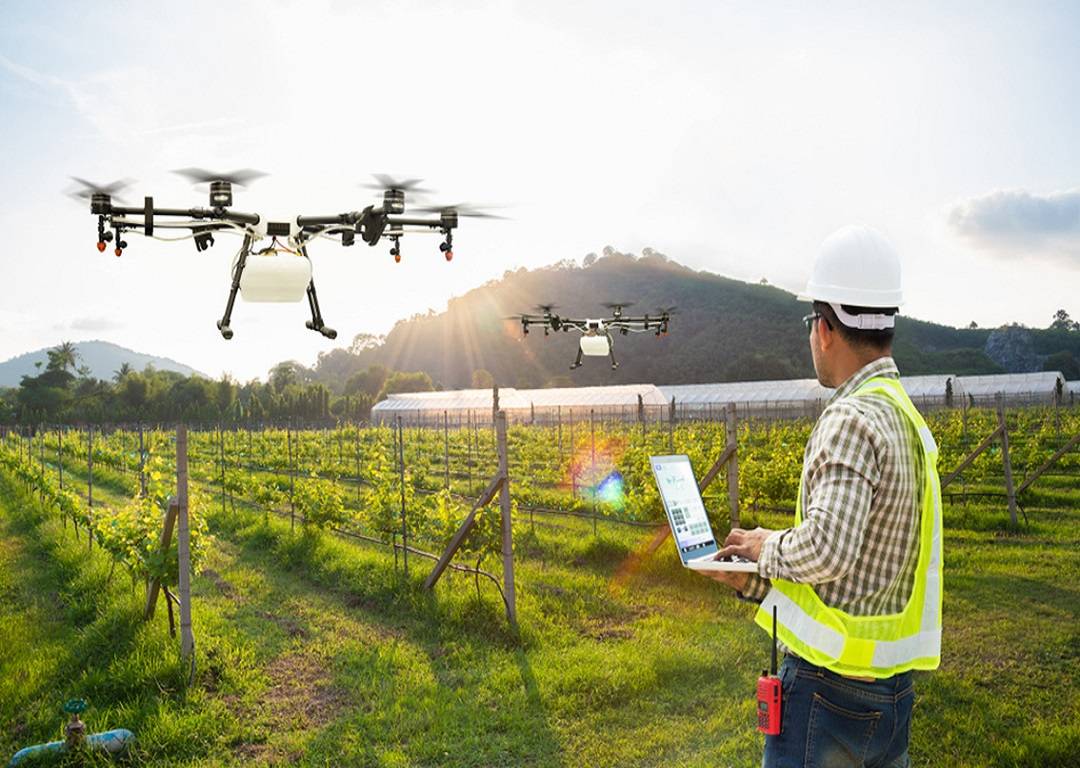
(871, 646)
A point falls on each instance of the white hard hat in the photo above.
(857, 266)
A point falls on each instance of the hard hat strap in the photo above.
(864, 322)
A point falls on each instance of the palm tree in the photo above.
(67, 354)
(122, 373)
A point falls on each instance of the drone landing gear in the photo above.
(223, 323)
(577, 360)
(316, 321)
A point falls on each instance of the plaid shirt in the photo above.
(861, 506)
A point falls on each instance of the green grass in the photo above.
(314, 650)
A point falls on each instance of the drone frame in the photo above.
(597, 327)
(371, 224)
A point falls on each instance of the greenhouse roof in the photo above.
(453, 400)
(934, 385)
(788, 390)
(1011, 383)
(782, 391)
(617, 395)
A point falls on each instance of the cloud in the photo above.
(1016, 222)
(94, 324)
(95, 96)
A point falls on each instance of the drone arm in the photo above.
(237, 217)
(400, 221)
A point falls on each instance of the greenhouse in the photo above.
(789, 398)
(1043, 387)
(622, 402)
(767, 399)
(459, 406)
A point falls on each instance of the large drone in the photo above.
(280, 271)
(596, 338)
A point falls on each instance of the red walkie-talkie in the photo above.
(768, 693)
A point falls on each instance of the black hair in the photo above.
(877, 340)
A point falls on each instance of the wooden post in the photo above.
(41, 452)
(221, 459)
(592, 477)
(90, 486)
(164, 543)
(142, 462)
(507, 522)
(292, 503)
(731, 423)
(401, 475)
(573, 456)
(356, 445)
(463, 530)
(187, 640)
(60, 455)
(1010, 490)
(671, 426)
(468, 447)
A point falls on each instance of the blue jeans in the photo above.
(829, 721)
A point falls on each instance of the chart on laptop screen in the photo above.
(683, 501)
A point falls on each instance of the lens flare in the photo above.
(610, 490)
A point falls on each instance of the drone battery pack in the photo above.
(275, 277)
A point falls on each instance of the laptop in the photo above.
(689, 523)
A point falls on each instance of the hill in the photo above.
(726, 330)
(102, 357)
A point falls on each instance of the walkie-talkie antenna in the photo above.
(773, 670)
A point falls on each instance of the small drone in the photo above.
(279, 272)
(596, 338)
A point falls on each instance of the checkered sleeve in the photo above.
(756, 589)
(841, 472)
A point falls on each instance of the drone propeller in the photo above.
(387, 182)
(546, 308)
(462, 210)
(240, 178)
(89, 189)
(667, 310)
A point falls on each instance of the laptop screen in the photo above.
(682, 500)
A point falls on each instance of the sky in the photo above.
(733, 137)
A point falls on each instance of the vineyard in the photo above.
(303, 540)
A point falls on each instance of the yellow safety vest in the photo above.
(871, 646)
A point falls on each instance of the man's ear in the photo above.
(826, 334)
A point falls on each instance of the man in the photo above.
(856, 582)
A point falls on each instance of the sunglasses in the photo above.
(809, 321)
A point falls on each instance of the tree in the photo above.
(284, 374)
(1062, 322)
(368, 382)
(973, 324)
(482, 379)
(224, 394)
(122, 372)
(400, 381)
(365, 341)
(66, 355)
(133, 390)
(1064, 362)
(589, 260)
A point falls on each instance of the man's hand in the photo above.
(744, 543)
(733, 579)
